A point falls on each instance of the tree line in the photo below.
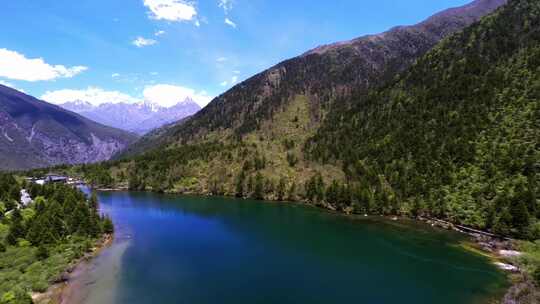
(59, 225)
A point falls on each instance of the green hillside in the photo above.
(40, 241)
(455, 137)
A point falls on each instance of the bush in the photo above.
(108, 226)
(17, 296)
(536, 276)
(42, 253)
(292, 159)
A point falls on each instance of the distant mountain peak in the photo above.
(140, 117)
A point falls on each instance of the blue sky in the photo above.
(184, 47)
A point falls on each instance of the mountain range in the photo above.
(436, 120)
(34, 133)
(439, 119)
(268, 121)
(322, 76)
(140, 118)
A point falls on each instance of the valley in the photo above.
(324, 178)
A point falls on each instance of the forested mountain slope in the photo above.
(322, 75)
(455, 136)
(34, 133)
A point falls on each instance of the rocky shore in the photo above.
(504, 254)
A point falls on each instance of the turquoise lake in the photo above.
(182, 249)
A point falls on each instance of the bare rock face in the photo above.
(35, 134)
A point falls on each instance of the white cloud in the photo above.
(236, 72)
(115, 75)
(169, 95)
(159, 33)
(154, 73)
(94, 96)
(171, 10)
(9, 84)
(142, 42)
(230, 23)
(226, 5)
(221, 59)
(234, 80)
(16, 66)
(163, 94)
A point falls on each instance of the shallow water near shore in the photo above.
(183, 249)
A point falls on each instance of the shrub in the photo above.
(536, 275)
(42, 253)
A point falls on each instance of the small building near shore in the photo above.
(54, 178)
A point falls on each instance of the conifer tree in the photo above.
(94, 201)
(108, 226)
(520, 216)
(258, 191)
(291, 194)
(240, 180)
(16, 228)
(281, 188)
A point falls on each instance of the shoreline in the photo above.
(487, 242)
(498, 249)
(61, 289)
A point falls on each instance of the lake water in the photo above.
(181, 249)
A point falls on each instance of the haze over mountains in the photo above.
(140, 117)
(34, 133)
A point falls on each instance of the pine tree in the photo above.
(16, 228)
(291, 195)
(332, 193)
(108, 226)
(520, 216)
(35, 230)
(94, 201)
(240, 180)
(258, 192)
(250, 185)
(281, 188)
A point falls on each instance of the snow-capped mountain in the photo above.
(140, 117)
